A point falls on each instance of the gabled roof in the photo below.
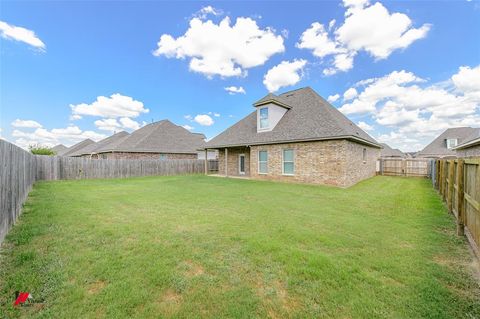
(108, 142)
(59, 149)
(271, 98)
(310, 118)
(159, 137)
(472, 140)
(438, 147)
(74, 148)
(387, 151)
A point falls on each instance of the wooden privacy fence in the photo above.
(17, 175)
(57, 167)
(20, 169)
(405, 167)
(458, 182)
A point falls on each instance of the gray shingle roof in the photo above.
(59, 149)
(472, 140)
(74, 148)
(160, 137)
(310, 118)
(387, 151)
(438, 147)
(106, 143)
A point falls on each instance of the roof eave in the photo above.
(346, 137)
(468, 144)
(272, 101)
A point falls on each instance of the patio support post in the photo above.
(226, 162)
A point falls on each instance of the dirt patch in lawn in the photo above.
(96, 287)
(193, 269)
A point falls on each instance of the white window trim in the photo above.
(260, 128)
(258, 155)
(283, 161)
(244, 164)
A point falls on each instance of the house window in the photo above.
(364, 156)
(451, 143)
(264, 117)
(163, 157)
(262, 162)
(288, 164)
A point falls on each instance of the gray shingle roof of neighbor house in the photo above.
(106, 143)
(59, 149)
(472, 140)
(309, 118)
(74, 148)
(387, 151)
(438, 146)
(159, 137)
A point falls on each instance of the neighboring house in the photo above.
(297, 136)
(159, 140)
(93, 150)
(388, 152)
(444, 145)
(471, 147)
(74, 148)
(59, 149)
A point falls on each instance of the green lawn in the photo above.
(206, 247)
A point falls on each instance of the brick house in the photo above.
(297, 136)
(444, 146)
(470, 148)
(158, 140)
(76, 147)
(388, 152)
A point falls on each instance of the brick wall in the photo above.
(469, 152)
(233, 161)
(357, 168)
(127, 155)
(333, 162)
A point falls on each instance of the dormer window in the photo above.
(451, 143)
(264, 118)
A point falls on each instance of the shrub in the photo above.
(41, 150)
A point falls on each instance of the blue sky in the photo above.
(404, 71)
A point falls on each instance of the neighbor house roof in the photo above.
(159, 137)
(59, 149)
(470, 141)
(387, 151)
(309, 117)
(438, 147)
(106, 143)
(74, 148)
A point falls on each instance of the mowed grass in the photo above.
(206, 247)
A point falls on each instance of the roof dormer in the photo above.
(270, 111)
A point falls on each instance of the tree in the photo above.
(41, 150)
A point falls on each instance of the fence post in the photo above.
(451, 170)
(460, 198)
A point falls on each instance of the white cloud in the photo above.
(216, 114)
(235, 90)
(364, 126)
(26, 123)
(284, 74)
(369, 28)
(350, 94)
(67, 136)
(188, 117)
(203, 119)
(113, 125)
(333, 98)
(413, 112)
(188, 127)
(12, 32)
(75, 117)
(208, 10)
(116, 105)
(222, 49)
